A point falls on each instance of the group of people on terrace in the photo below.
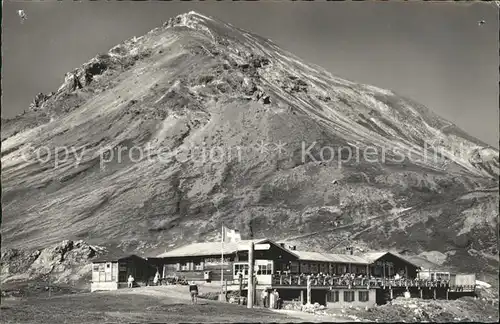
(348, 279)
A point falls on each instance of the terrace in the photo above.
(337, 281)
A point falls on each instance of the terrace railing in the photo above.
(301, 280)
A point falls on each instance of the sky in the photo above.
(434, 53)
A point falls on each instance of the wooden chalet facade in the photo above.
(203, 261)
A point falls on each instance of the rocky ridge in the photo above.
(66, 262)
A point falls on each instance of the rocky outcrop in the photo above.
(64, 261)
(39, 100)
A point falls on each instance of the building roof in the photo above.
(113, 257)
(330, 257)
(210, 248)
(374, 256)
(214, 248)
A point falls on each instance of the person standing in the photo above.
(276, 299)
(272, 299)
(264, 298)
(130, 281)
(156, 278)
(193, 291)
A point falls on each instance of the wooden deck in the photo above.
(301, 281)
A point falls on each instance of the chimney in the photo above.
(292, 247)
(349, 250)
(282, 245)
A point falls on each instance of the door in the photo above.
(108, 272)
(122, 272)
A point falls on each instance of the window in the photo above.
(323, 267)
(114, 271)
(102, 272)
(184, 266)
(198, 266)
(304, 267)
(265, 269)
(332, 296)
(442, 275)
(363, 296)
(348, 296)
(241, 267)
(314, 268)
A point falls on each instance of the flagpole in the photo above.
(222, 261)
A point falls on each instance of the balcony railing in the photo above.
(301, 280)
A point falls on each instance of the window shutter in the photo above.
(178, 266)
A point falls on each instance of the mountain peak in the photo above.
(192, 15)
(190, 19)
(199, 82)
(197, 14)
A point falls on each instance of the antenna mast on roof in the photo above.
(349, 249)
(251, 228)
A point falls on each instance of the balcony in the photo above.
(329, 281)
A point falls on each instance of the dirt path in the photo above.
(179, 293)
(308, 317)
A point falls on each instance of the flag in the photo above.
(230, 235)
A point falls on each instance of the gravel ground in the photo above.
(160, 304)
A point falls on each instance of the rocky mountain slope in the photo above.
(196, 123)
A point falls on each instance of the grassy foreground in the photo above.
(140, 306)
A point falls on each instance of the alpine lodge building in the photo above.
(333, 280)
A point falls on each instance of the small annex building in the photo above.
(111, 272)
(388, 264)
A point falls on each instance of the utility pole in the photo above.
(309, 289)
(251, 291)
(222, 297)
(240, 277)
